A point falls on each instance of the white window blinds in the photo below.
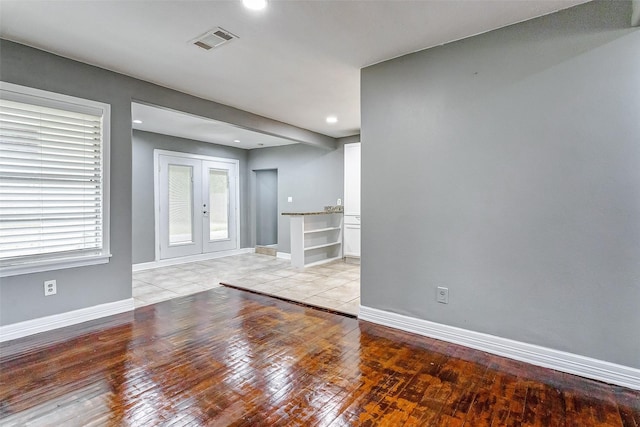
(51, 181)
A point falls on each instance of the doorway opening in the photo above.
(266, 211)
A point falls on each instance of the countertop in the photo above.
(327, 210)
(309, 213)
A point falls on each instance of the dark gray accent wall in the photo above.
(266, 207)
(314, 177)
(143, 207)
(506, 167)
(22, 297)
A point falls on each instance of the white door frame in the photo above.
(156, 189)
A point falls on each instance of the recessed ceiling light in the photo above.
(236, 140)
(137, 121)
(332, 119)
(255, 4)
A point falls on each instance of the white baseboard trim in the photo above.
(536, 355)
(193, 258)
(283, 255)
(47, 323)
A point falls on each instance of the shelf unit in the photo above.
(315, 238)
(321, 230)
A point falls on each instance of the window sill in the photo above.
(49, 265)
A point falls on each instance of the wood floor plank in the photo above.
(231, 358)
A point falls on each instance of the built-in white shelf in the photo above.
(326, 245)
(322, 230)
(316, 237)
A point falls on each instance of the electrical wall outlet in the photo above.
(442, 295)
(289, 199)
(50, 288)
(339, 202)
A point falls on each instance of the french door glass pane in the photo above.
(180, 204)
(218, 204)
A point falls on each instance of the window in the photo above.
(54, 182)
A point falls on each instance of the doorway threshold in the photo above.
(293, 301)
(271, 250)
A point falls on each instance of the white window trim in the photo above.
(54, 99)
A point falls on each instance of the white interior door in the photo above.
(197, 206)
(219, 206)
(180, 192)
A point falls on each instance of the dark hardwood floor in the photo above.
(228, 357)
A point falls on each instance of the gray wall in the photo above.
(21, 297)
(314, 177)
(143, 209)
(266, 207)
(507, 167)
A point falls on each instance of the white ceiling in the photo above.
(175, 123)
(296, 61)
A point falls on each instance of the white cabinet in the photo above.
(316, 238)
(352, 236)
(352, 179)
(352, 200)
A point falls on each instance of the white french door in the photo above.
(197, 205)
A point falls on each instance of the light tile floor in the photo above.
(335, 285)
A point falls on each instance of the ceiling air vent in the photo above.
(213, 38)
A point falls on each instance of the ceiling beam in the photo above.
(635, 13)
(174, 100)
(349, 139)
